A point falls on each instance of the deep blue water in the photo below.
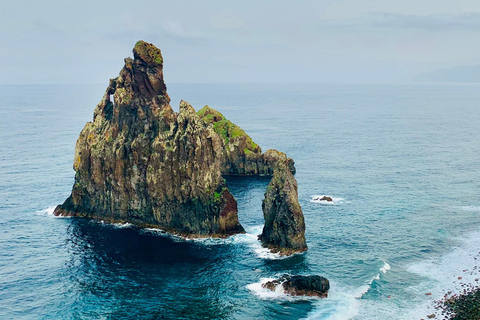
(401, 161)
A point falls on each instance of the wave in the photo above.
(362, 290)
(385, 267)
(344, 302)
(49, 213)
(45, 212)
(209, 241)
(124, 225)
(317, 199)
(250, 238)
(449, 272)
(470, 208)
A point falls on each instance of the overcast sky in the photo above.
(65, 41)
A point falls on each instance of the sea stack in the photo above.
(141, 162)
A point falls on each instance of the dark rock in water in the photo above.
(312, 286)
(143, 163)
(324, 198)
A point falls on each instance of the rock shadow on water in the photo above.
(124, 272)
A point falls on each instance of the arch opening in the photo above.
(249, 193)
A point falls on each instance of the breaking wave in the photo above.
(344, 302)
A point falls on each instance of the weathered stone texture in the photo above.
(141, 162)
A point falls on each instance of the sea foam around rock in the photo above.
(335, 200)
(49, 213)
(279, 293)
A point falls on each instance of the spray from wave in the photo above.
(47, 213)
(449, 272)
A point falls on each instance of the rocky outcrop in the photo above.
(242, 155)
(143, 163)
(139, 161)
(284, 230)
(312, 286)
(324, 198)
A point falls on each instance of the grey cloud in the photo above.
(387, 20)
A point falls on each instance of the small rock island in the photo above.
(141, 162)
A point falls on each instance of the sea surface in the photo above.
(402, 163)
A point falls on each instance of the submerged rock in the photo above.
(325, 198)
(143, 163)
(312, 286)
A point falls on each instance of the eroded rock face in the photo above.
(140, 162)
(312, 286)
(284, 230)
(143, 163)
(242, 155)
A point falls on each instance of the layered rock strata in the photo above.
(143, 163)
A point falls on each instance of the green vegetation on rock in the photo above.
(228, 130)
(153, 167)
(148, 52)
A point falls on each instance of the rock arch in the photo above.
(143, 163)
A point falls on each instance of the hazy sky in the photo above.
(66, 41)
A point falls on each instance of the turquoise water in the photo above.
(401, 161)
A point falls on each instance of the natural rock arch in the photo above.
(143, 163)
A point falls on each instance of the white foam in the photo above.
(251, 238)
(360, 291)
(237, 238)
(122, 225)
(335, 200)
(344, 302)
(441, 273)
(163, 233)
(45, 212)
(385, 267)
(470, 208)
(49, 213)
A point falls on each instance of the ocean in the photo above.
(402, 163)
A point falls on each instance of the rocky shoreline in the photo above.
(461, 304)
